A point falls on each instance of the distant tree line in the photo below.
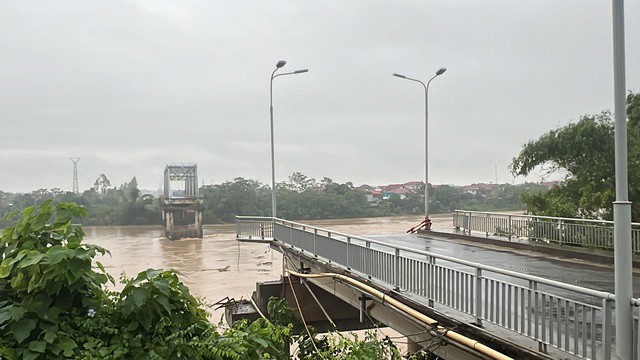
(122, 205)
(299, 198)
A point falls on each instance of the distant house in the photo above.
(479, 188)
(401, 192)
(373, 195)
(413, 185)
(386, 188)
(365, 188)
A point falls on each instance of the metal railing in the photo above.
(592, 234)
(573, 319)
(254, 228)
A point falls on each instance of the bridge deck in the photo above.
(589, 274)
(562, 304)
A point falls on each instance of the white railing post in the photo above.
(531, 311)
(455, 219)
(487, 223)
(315, 235)
(348, 246)
(396, 275)
(607, 327)
(561, 232)
(478, 297)
(367, 254)
(432, 281)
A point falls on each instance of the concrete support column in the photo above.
(169, 218)
(198, 222)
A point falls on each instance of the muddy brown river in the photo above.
(218, 266)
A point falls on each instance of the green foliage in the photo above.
(54, 306)
(338, 346)
(122, 206)
(46, 275)
(585, 152)
(300, 198)
(224, 201)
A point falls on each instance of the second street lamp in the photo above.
(279, 64)
(427, 221)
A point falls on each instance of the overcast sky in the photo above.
(130, 86)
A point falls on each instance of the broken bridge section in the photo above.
(181, 203)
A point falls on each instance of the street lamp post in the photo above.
(623, 260)
(427, 221)
(280, 64)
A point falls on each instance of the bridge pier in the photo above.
(182, 207)
(183, 218)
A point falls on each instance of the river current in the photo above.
(217, 266)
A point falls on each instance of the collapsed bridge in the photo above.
(181, 203)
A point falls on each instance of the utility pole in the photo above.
(76, 189)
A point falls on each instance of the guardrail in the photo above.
(254, 228)
(573, 319)
(595, 234)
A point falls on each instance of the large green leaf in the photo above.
(68, 346)
(50, 337)
(30, 355)
(17, 312)
(31, 259)
(22, 329)
(5, 314)
(163, 286)
(145, 319)
(5, 271)
(18, 282)
(57, 253)
(139, 296)
(38, 346)
(36, 282)
(162, 300)
(151, 273)
(73, 242)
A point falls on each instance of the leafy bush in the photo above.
(54, 305)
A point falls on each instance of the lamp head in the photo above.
(301, 71)
(280, 64)
(441, 71)
(400, 76)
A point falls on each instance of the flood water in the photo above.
(217, 266)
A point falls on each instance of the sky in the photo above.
(131, 86)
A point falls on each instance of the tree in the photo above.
(300, 182)
(222, 202)
(585, 151)
(102, 184)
